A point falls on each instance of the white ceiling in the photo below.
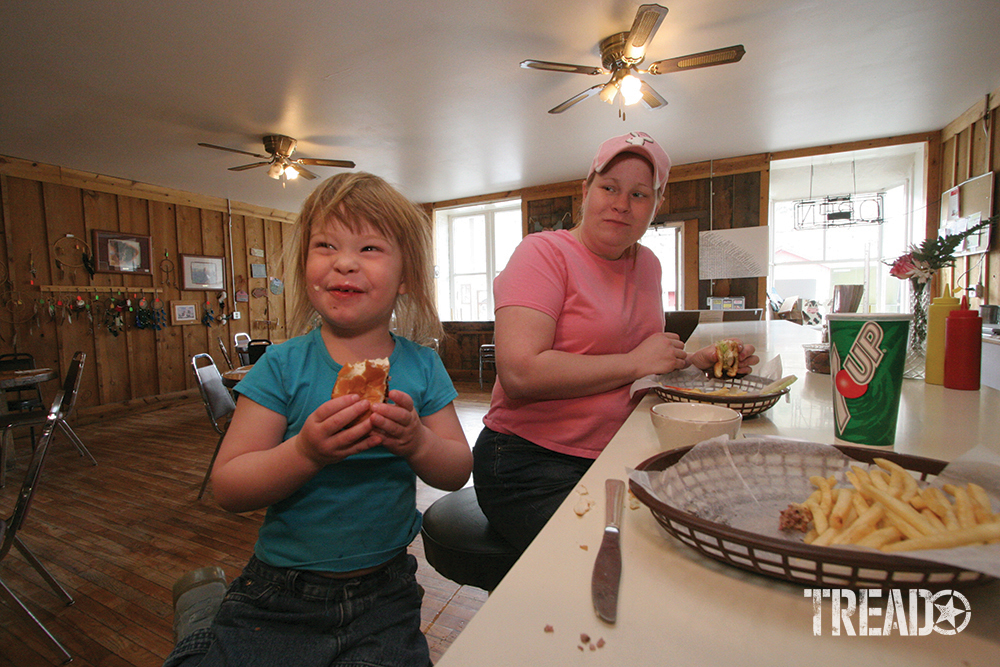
(430, 94)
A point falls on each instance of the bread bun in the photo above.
(728, 352)
(368, 379)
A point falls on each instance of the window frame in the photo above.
(445, 217)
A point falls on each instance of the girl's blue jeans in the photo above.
(520, 485)
(277, 616)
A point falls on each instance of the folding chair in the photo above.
(11, 526)
(241, 340)
(256, 349)
(487, 355)
(70, 389)
(225, 353)
(218, 401)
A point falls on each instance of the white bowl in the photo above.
(682, 424)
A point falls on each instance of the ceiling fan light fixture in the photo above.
(609, 91)
(291, 173)
(621, 55)
(275, 170)
(631, 88)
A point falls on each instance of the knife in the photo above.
(608, 566)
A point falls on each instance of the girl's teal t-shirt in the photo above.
(362, 511)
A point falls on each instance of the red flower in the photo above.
(903, 267)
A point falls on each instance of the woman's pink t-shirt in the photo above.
(600, 307)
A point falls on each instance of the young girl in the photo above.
(330, 581)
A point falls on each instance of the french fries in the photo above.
(884, 508)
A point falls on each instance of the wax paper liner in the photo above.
(746, 483)
(691, 377)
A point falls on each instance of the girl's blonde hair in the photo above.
(357, 200)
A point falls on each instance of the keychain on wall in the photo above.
(159, 314)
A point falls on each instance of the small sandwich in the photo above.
(368, 379)
(729, 358)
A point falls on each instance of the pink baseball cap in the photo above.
(634, 142)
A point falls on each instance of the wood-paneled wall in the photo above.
(134, 366)
(42, 203)
(969, 148)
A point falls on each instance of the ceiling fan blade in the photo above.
(562, 67)
(346, 164)
(647, 21)
(303, 172)
(233, 150)
(650, 98)
(593, 90)
(730, 54)
(249, 166)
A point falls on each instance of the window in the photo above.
(810, 260)
(809, 263)
(664, 240)
(472, 245)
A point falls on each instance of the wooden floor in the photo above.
(118, 535)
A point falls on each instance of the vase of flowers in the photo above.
(918, 266)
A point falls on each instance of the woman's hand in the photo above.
(706, 357)
(660, 353)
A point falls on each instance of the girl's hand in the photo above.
(706, 357)
(323, 438)
(397, 425)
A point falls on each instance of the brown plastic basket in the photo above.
(799, 562)
(747, 405)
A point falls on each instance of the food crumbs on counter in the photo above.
(549, 628)
(585, 547)
(633, 502)
(600, 643)
(579, 647)
(592, 647)
(584, 637)
(583, 505)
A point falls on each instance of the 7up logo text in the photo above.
(858, 369)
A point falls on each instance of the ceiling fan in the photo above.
(623, 52)
(279, 158)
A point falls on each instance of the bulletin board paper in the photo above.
(964, 206)
(733, 253)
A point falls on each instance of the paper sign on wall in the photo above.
(733, 253)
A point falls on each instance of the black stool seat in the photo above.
(460, 544)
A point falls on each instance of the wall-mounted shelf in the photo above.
(101, 289)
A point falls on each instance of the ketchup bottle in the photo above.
(963, 348)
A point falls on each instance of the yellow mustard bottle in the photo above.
(936, 316)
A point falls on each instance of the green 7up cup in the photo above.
(867, 355)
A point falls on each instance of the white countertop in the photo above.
(679, 608)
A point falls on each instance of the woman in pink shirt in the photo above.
(579, 317)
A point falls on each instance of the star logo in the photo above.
(953, 615)
(637, 139)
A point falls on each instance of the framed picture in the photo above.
(201, 272)
(183, 312)
(121, 253)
